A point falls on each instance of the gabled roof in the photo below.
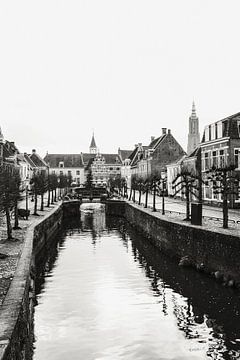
(30, 162)
(112, 159)
(9, 149)
(86, 157)
(69, 160)
(154, 143)
(124, 154)
(37, 160)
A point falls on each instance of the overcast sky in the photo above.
(125, 68)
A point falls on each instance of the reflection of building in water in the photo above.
(93, 218)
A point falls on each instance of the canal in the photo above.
(105, 293)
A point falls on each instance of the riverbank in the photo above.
(17, 279)
(208, 248)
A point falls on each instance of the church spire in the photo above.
(93, 146)
(193, 131)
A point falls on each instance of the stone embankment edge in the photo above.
(212, 251)
(13, 302)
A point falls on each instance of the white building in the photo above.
(67, 164)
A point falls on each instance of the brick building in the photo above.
(220, 147)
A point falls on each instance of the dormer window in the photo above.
(61, 164)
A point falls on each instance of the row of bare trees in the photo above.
(41, 183)
(223, 181)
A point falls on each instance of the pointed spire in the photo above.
(93, 146)
(193, 110)
(93, 142)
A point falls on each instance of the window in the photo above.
(216, 132)
(69, 173)
(214, 159)
(206, 161)
(61, 172)
(207, 133)
(213, 133)
(221, 158)
(237, 158)
(61, 164)
(77, 172)
(219, 129)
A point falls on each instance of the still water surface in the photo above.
(106, 294)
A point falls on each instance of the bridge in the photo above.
(84, 194)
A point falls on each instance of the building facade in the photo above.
(67, 164)
(220, 147)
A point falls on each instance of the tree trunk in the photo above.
(16, 222)
(35, 204)
(134, 192)
(130, 195)
(42, 202)
(9, 226)
(154, 197)
(225, 212)
(139, 197)
(187, 205)
(146, 199)
(49, 195)
(55, 195)
(52, 201)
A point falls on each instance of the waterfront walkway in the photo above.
(177, 208)
(13, 248)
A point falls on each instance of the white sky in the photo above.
(125, 68)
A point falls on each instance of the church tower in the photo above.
(193, 131)
(93, 146)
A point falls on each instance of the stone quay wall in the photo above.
(16, 313)
(213, 252)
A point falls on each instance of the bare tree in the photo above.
(187, 183)
(225, 181)
(9, 195)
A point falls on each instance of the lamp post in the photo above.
(163, 183)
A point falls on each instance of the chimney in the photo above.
(152, 138)
(33, 151)
(169, 131)
(139, 144)
(164, 131)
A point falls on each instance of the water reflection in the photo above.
(125, 300)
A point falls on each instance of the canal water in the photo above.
(105, 293)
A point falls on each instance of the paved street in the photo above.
(178, 205)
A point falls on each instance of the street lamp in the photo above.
(163, 186)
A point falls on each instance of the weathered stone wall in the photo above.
(17, 310)
(115, 207)
(206, 250)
